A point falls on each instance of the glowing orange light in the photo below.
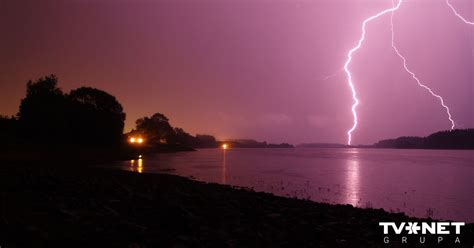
(225, 146)
(136, 140)
(140, 166)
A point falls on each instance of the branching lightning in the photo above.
(405, 66)
(457, 14)
(415, 77)
(348, 62)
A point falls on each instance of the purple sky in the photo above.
(249, 68)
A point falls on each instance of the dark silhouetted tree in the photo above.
(183, 138)
(96, 117)
(155, 128)
(8, 130)
(85, 116)
(42, 111)
(205, 141)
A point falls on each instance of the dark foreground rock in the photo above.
(51, 206)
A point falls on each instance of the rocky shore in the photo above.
(45, 205)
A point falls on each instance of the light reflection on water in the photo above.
(353, 182)
(139, 165)
(224, 166)
(417, 182)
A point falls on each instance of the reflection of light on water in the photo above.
(352, 180)
(224, 168)
(139, 165)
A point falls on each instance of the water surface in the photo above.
(423, 183)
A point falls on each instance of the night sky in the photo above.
(249, 68)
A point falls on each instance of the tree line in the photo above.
(85, 116)
(157, 130)
(452, 139)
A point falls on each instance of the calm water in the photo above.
(436, 183)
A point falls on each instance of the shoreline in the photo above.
(77, 206)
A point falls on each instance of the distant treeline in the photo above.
(453, 139)
(249, 143)
(321, 145)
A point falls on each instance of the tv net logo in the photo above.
(421, 229)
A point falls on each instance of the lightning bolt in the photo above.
(415, 77)
(348, 62)
(457, 14)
